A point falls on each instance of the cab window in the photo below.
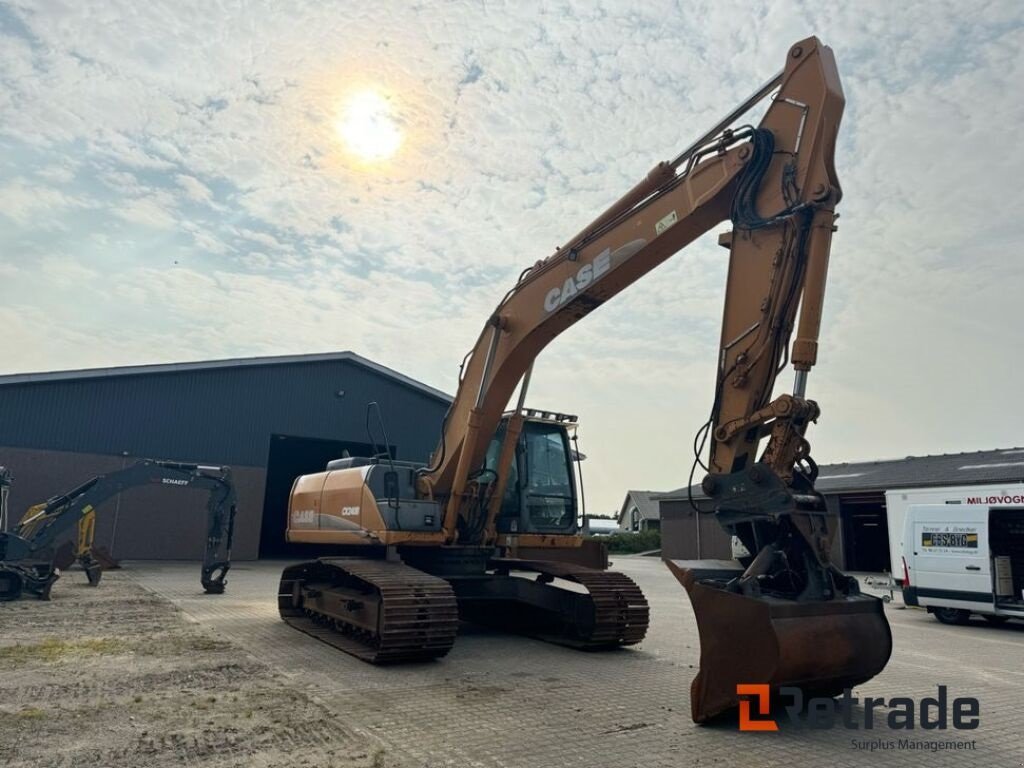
(549, 482)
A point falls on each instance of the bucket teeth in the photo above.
(820, 646)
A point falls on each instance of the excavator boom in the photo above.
(771, 179)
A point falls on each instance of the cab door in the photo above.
(540, 496)
(549, 488)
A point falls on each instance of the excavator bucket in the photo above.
(820, 646)
(93, 571)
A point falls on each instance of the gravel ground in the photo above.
(117, 676)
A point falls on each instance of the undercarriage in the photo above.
(386, 611)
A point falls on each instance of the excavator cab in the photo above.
(540, 496)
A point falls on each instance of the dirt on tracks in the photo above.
(115, 676)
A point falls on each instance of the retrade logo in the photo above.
(762, 695)
(899, 713)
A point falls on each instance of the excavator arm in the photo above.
(27, 553)
(778, 185)
(789, 616)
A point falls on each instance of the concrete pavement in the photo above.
(499, 700)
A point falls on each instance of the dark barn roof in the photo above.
(646, 502)
(218, 410)
(1003, 465)
(209, 365)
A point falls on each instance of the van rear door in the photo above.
(950, 564)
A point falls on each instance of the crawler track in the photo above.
(620, 613)
(620, 608)
(384, 612)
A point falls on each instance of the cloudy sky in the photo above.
(174, 186)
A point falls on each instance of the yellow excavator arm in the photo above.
(778, 185)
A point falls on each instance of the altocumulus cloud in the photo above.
(174, 169)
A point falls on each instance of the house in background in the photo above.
(640, 512)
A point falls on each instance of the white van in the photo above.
(897, 503)
(964, 559)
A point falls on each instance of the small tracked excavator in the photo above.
(447, 538)
(31, 558)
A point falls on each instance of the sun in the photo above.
(368, 128)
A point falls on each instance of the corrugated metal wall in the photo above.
(687, 536)
(222, 415)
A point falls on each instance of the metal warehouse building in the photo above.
(269, 418)
(855, 492)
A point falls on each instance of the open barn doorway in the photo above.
(865, 532)
(290, 457)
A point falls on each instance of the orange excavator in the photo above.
(488, 529)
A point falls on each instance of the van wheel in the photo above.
(996, 620)
(952, 615)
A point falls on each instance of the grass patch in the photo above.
(172, 644)
(199, 643)
(53, 650)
